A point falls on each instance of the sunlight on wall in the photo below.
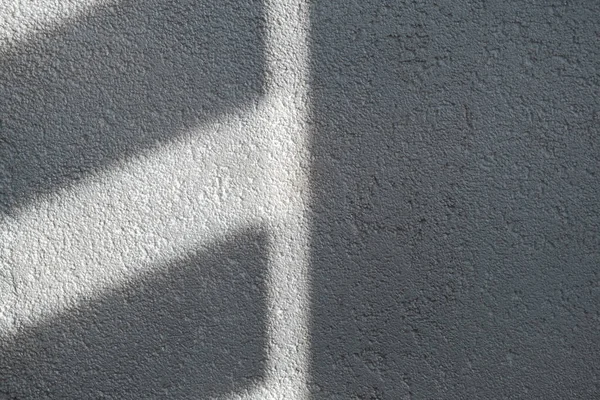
(288, 72)
(149, 210)
(21, 20)
(246, 168)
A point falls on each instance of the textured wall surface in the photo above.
(266, 199)
(456, 240)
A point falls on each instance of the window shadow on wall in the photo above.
(190, 329)
(455, 179)
(120, 82)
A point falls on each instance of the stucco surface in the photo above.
(455, 245)
(299, 200)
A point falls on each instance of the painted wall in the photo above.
(456, 234)
(309, 200)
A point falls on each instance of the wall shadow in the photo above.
(455, 174)
(191, 329)
(119, 82)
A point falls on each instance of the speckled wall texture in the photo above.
(456, 174)
(268, 199)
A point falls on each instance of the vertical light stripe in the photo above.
(81, 233)
(288, 74)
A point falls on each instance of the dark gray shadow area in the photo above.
(456, 233)
(118, 82)
(192, 329)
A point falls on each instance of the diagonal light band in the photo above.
(76, 243)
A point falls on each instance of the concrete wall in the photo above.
(267, 199)
(456, 233)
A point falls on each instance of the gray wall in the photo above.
(456, 232)
(92, 95)
(151, 157)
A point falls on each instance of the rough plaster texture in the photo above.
(152, 200)
(268, 199)
(456, 236)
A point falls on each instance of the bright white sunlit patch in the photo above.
(21, 20)
(245, 168)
